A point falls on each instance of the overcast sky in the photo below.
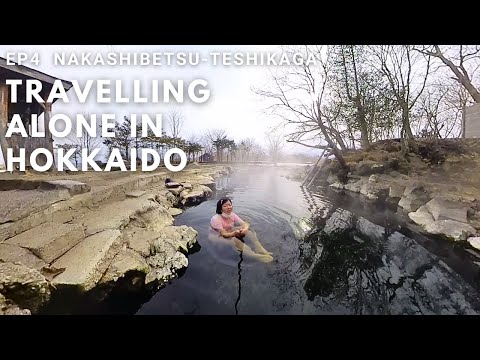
(232, 105)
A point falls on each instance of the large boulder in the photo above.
(414, 196)
(450, 229)
(26, 287)
(124, 262)
(86, 263)
(442, 209)
(340, 220)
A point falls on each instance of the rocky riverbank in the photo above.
(437, 187)
(86, 233)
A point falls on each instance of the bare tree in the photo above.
(257, 152)
(245, 147)
(462, 60)
(431, 110)
(457, 99)
(299, 97)
(206, 144)
(352, 80)
(407, 73)
(175, 120)
(85, 140)
(275, 143)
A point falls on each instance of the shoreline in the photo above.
(91, 235)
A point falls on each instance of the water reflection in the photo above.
(346, 270)
(359, 268)
(239, 283)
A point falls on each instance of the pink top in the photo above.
(218, 222)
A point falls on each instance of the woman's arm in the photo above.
(245, 227)
(229, 234)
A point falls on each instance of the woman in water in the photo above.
(229, 226)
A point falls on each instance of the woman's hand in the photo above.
(245, 229)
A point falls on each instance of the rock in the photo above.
(369, 229)
(183, 235)
(166, 267)
(396, 191)
(50, 272)
(18, 204)
(447, 210)
(355, 186)
(209, 183)
(15, 253)
(422, 216)
(147, 243)
(340, 220)
(185, 192)
(414, 196)
(176, 191)
(374, 191)
(187, 186)
(73, 187)
(198, 194)
(174, 211)
(118, 214)
(86, 263)
(141, 241)
(8, 308)
(364, 167)
(125, 261)
(155, 219)
(56, 213)
(49, 241)
(26, 287)
(135, 194)
(453, 230)
(172, 184)
(398, 175)
(474, 242)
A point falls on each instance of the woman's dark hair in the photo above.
(220, 203)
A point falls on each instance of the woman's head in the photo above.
(224, 205)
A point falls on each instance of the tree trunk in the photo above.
(3, 120)
(363, 126)
(464, 80)
(408, 140)
(333, 146)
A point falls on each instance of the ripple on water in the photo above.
(310, 274)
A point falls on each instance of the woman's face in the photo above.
(227, 207)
